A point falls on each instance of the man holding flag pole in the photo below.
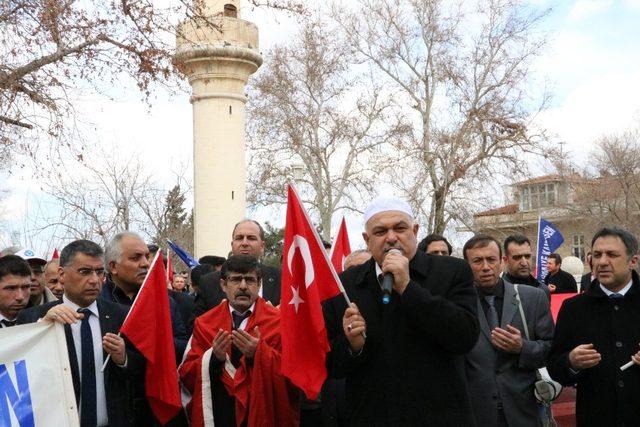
(400, 344)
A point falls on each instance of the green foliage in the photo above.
(273, 241)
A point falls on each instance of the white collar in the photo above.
(250, 309)
(378, 270)
(93, 307)
(622, 291)
(3, 317)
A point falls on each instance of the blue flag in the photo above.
(183, 255)
(549, 239)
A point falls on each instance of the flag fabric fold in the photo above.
(308, 278)
(341, 247)
(549, 240)
(170, 272)
(148, 327)
(183, 255)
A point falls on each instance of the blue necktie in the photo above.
(88, 416)
(616, 297)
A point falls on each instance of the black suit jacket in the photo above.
(211, 294)
(565, 282)
(186, 305)
(117, 381)
(411, 369)
(606, 396)
(585, 282)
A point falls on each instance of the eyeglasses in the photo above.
(86, 272)
(236, 280)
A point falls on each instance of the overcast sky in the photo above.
(592, 65)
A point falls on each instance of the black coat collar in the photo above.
(595, 291)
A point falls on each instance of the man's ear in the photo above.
(61, 273)
(112, 269)
(365, 236)
(633, 262)
(416, 226)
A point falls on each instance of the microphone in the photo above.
(387, 287)
(387, 283)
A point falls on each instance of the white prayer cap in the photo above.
(384, 204)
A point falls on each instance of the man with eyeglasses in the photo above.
(518, 263)
(15, 282)
(40, 294)
(232, 368)
(91, 325)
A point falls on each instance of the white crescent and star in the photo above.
(302, 244)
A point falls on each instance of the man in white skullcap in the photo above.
(403, 357)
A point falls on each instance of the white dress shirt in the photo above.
(3, 317)
(243, 324)
(94, 322)
(622, 291)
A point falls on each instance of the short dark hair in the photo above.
(261, 232)
(241, 264)
(424, 243)
(556, 257)
(14, 265)
(518, 239)
(198, 271)
(630, 241)
(153, 248)
(86, 247)
(326, 244)
(212, 260)
(480, 241)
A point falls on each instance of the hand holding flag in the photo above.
(148, 327)
(308, 278)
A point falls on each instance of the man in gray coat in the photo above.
(501, 367)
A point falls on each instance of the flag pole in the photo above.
(538, 257)
(324, 253)
(155, 258)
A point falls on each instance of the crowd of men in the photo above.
(459, 343)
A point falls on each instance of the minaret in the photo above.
(218, 63)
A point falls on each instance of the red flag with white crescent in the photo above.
(341, 248)
(308, 278)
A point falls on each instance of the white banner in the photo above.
(36, 388)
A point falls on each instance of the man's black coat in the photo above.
(411, 369)
(110, 292)
(606, 396)
(118, 382)
(585, 282)
(211, 294)
(564, 282)
(186, 305)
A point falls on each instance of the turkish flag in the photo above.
(341, 248)
(148, 327)
(170, 272)
(308, 278)
(55, 255)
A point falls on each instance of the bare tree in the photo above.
(317, 120)
(52, 47)
(463, 79)
(610, 190)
